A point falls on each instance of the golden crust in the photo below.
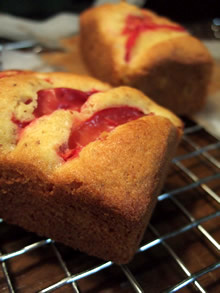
(101, 173)
(167, 65)
(103, 197)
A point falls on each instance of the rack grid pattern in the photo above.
(207, 153)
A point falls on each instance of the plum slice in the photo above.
(90, 130)
(136, 24)
(50, 100)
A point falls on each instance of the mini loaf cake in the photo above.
(80, 162)
(125, 45)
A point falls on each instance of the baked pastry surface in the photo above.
(125, 45)
(80, 162)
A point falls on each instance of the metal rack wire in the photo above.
(207, 154)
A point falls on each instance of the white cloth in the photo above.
(23, 61)
(209, 117)
(46, 32)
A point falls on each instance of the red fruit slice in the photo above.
(90, 130)
(20, 124)
(135, 25)
(50, 100)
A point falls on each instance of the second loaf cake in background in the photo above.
(126, 45)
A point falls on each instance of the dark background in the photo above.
(185, 10)
(195, 15)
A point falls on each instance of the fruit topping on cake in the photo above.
(137, 24)
(50, 100)
(86, 131)
(93, 128)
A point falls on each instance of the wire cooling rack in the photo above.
(179, 252)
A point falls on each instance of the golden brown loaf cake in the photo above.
(80, 162)
(126, 45)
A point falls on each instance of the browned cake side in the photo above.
(168, 64)
(99, 201)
